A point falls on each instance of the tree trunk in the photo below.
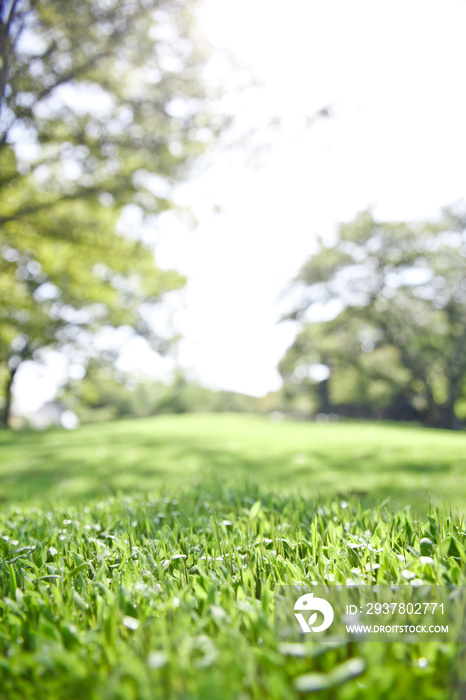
(323, 391)
(443, 415)
(447, 416)
(6, 412)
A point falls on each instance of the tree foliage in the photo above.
(105, 394)
(102, 105)
(399, 336)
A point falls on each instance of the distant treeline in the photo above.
(104, 394)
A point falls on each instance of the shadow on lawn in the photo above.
(89, 463)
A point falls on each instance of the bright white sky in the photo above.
(394, 72)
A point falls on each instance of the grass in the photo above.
(138, 559)
(375, 462)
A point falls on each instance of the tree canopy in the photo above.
(397, 336)
(102, 105)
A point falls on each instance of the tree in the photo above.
(102, 105)
(400, 328)
(105, 394)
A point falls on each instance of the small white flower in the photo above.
(407, 574)
(426, 560)
(157, 659)
(130, 622)
(372, 567)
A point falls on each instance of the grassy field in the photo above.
(393, 464)
(138, 559)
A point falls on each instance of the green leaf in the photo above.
(255, 510)
(312, 682)
(12, 582)
(78, 569)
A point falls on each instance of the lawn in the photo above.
(138, 559)
(393, 464)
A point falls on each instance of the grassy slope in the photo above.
(169, 593)
(403, 464)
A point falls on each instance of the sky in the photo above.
(393, 74)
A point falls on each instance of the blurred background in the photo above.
(243, 207)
